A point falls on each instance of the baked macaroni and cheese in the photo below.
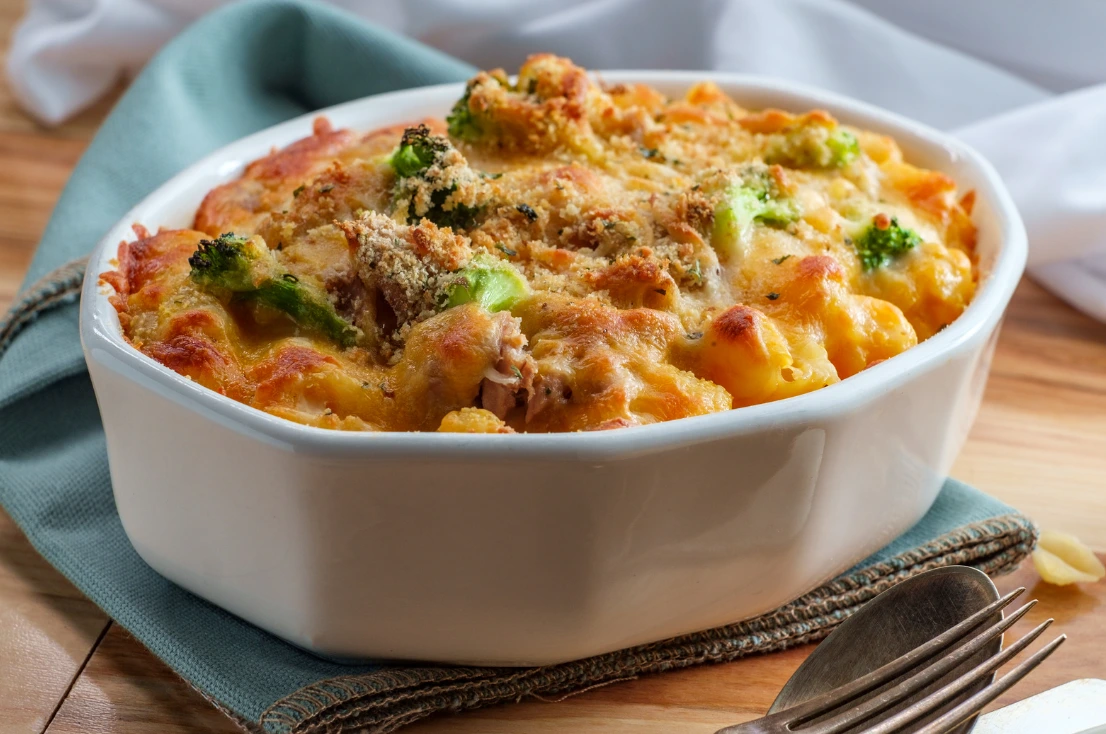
(556, 255)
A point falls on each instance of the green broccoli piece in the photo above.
(236, 268)
(422, 164)
(878, 245)
(462, 123)
(418, 150)
(844, 148)
(813, 146)
(459, 217)
(492, 283)
(752, 200)
(224, 263)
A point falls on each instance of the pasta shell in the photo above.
(1062, 559)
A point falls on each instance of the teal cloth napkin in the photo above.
(238, 70)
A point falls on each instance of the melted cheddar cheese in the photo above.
(652, 259)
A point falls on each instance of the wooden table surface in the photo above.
(1039, 444)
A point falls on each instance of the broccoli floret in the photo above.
(224, 263)
(429, 168)
(236, 268)
(754, 199)
(418, 150)
(883, 241)
(463, 124)
(459, 217)
(493, 284)
(813, 146)
(844, 148)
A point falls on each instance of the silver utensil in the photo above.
(932, 688)
(892, 624)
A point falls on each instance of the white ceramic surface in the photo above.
(534, 549)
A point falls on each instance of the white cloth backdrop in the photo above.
(1024, 81)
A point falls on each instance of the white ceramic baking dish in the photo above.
(533, 549)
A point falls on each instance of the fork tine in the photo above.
(949, 691)
(916, 682)
(975, 704)
(888, 671)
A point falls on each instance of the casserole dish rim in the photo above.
(102, 339)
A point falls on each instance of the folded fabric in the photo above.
(241, 69)
(1002, 68)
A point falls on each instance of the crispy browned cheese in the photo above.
(561, 255)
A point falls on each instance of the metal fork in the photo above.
(839, 710)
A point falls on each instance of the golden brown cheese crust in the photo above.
(606, 201)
